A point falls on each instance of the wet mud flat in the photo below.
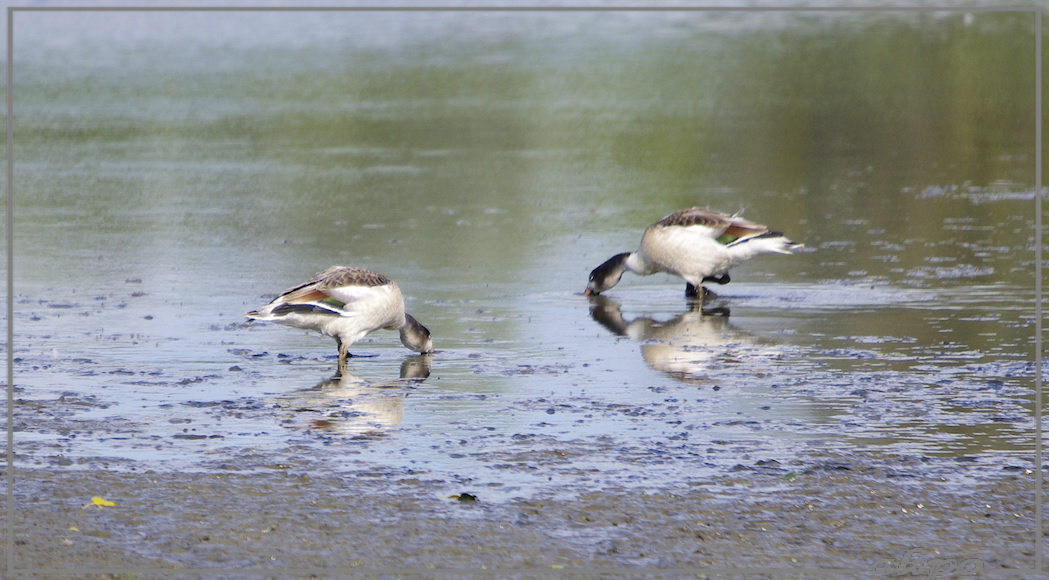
(478, 462)
(824, 515)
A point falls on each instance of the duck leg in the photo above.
(693, 291)
(343, 353)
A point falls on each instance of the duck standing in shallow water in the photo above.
(346, 304)
(697, 244)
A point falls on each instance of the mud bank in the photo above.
(833, 516)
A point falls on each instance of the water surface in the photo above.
(173, 171)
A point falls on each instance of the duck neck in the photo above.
(635, 263)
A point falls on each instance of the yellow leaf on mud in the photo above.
(100, 502)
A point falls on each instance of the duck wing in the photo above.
(338, 290)
(336, 286)
(713, 224)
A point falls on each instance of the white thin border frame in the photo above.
(1036, 11)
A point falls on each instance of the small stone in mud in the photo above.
(234, 369)
(464, 497)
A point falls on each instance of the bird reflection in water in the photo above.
(689, 346)
(349, 405)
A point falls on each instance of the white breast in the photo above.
(689, 252)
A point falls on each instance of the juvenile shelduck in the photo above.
(346, 304)
(697, 244)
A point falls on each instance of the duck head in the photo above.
(607, 274)
(415, 336)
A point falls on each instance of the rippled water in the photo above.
(166, 182)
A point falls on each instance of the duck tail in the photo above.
(771, 242)
(264, 313)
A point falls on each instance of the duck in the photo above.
(698, 244)
(347, 303)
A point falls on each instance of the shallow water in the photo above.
(487, 163)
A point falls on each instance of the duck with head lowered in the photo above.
(698, 244)
(347, 303)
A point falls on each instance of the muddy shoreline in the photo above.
(835, 515)
(324, 482)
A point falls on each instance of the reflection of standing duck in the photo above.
(685, 347)
(697, 244)
(350, 405)
(347, 303)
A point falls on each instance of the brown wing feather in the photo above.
(745, 229)
(693, 216)
(303, 294)
(315, 290)
(723, 224)
(342, 276)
